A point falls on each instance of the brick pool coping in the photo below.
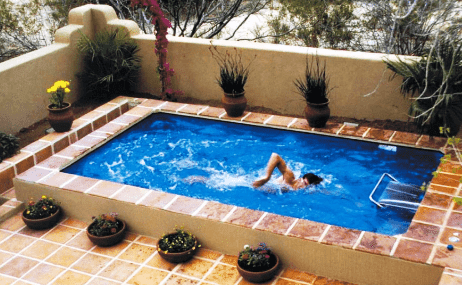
(437, 219)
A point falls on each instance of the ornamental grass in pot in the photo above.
(43, 214)
(232, 80)
(106, 230)
(314, 88)
(257, 264)
(179, 246)
(60, 113)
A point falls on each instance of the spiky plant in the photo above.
(111, 63)
(314, 86)
(233, 73)
(434, 83)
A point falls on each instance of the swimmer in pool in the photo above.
(287, 177)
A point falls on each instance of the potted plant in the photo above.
(43, 214)
(179, 246)
(106, 230)
(434, 83)
(111, 63)
(314, 88)
(9, 145)
(258, 264)
(60, 113)
(232, 79)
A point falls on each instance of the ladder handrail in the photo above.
(377, 185)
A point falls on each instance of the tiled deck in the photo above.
(64, 255)
(437, 219)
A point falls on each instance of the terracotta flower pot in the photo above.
(61, 119)
(107, 240)
(44, 223)
(234, 104)
(177, 257)
(259, 276)
(317, 114)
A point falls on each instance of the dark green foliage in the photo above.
(314, 86)
(9, 145)
(233, 73)
(435, 83)
(111, 64)
(105, 225)
(177, 242)
(321, 21)
(43, 208)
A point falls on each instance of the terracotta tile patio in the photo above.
(436, 220)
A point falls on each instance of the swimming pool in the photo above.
(164, 151)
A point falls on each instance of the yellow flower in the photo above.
(28, 212)
(63, 84)
(44, 197)
(53, 89)
(67, 83)
(67, 90)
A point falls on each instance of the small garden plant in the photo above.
(57, 93)
(9, 145)
(256, 258)
(43, 208)
(105, 225)
(180, 241)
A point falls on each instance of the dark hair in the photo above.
(312, 178)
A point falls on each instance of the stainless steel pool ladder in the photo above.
(399, 195)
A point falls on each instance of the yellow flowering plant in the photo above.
(59, 89)
(43, 208)
(180, 241)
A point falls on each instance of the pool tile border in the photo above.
(438, 214)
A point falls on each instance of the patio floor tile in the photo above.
(448, 258)
(40, 249)
(422, 232)
(43, 274)
(61, 234)
(16, 243)
(194, 268)
(72, 278)
(280, 121)
(91, 263)
(18, 266)
(138, 253)
(158, 262)
(224, 275)
(148, 276)
(185, 205)
(119, 270)
(65, 256)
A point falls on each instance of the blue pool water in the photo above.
(168, 152)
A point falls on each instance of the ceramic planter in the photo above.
(61, 119)
(178, 257)
(260, 276)
(234, 104)
(317, 114)
(44, 223)
(107, 240)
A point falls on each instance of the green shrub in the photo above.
(9, 145)
(111, 64)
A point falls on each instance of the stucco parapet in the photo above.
(132, 28)
(65, 34)
(81, 15)
(30, 56)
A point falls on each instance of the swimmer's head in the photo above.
(312, 178)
